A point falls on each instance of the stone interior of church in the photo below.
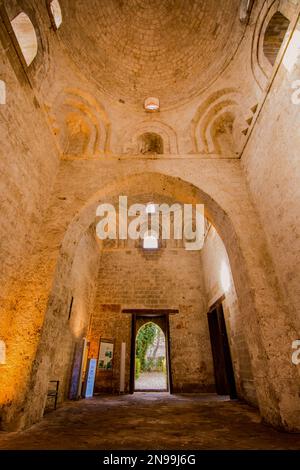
(173, 102)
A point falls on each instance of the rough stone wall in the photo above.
(219, 283)
(75, 321)
(108, 322)
(28, 164)
(273, 171)
(223, 190)
(162, 279)
(194, 163)
(55, 341)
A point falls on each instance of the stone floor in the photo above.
(151, 421)
(151, 381)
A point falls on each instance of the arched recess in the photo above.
(268, 38)
(222, 133)
(150, 143)
(217, 127)
(80, 124)
(130, 142)
(267, 328)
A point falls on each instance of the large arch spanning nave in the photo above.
(166, 102)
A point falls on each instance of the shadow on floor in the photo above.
(151, 421)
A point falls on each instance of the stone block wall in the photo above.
(73, 323)
(272, 169)
(163, 279)
(35, 221)
(219, 283)
(28, 165)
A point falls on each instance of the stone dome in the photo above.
(165, 48)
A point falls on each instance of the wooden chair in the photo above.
(53, 392)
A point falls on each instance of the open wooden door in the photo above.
(224, 375)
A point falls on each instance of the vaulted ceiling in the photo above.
(172, 49)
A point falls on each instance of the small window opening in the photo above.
(151, 104)
(2, 92)
(274, 36)
(2, 352)
(150, 241)
(245, 9)
(26, 36)
(56, 13)
(150, 208)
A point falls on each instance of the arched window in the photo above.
(150, 208)
(150, 143)
(151, 365)
(151, 104)
(26, 36)
(2, 92)
(245, 9)
(150, 241)
(2, 352)
(274, 36)
(56, 14)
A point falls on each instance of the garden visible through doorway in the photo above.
(150, 359)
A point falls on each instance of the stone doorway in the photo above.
(150, 359)
(154, 375)
(223, 368)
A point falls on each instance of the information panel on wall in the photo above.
(106, 353)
